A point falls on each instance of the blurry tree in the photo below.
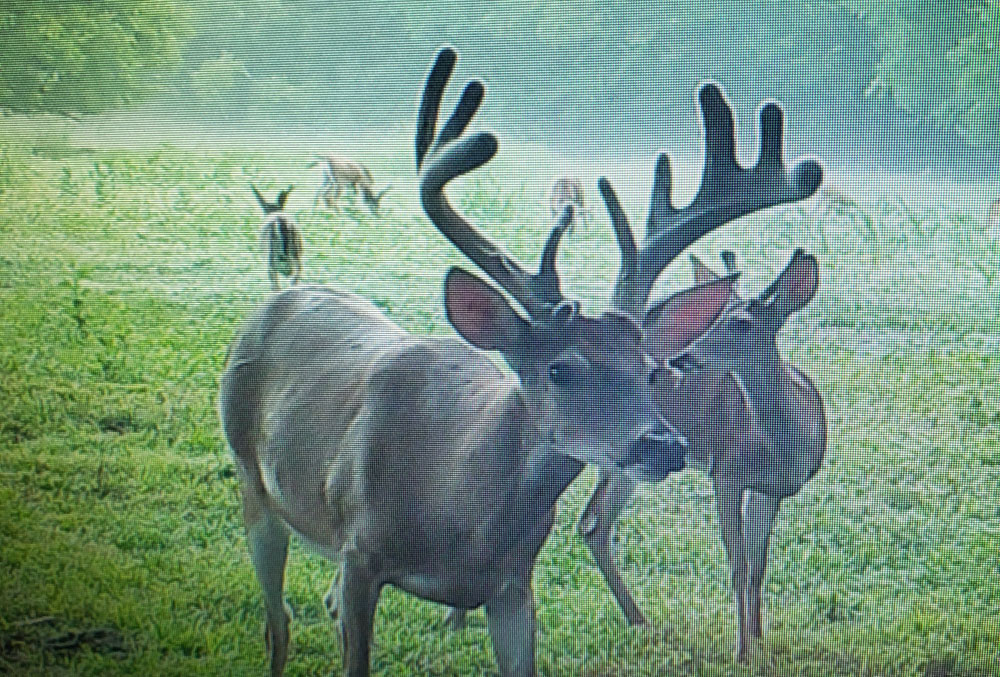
(75, 57)
(940, 60)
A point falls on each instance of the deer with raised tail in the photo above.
(754, 423)
(415, 461)
(281, 235)
(340, 174)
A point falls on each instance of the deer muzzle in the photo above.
(657, 452)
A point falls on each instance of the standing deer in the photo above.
(340, 173)
(415, 461)
(282, 238)
(754, 423)
(568, 191)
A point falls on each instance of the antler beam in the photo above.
(441, 159)
(728, 191)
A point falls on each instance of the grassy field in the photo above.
(125, 272)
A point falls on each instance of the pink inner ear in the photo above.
(469, 309)
(800, 282)
(686, 316)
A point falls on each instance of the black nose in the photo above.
(663, 434)
(685, 362)
(658, 452)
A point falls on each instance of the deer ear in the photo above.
(673, 323)
(702, 273)
(796, 285)
(283, 197)
(479, 312)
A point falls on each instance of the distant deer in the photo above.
(993, 218)
(281, 235)
(340, 173)
(415, 461)
(755, 424)
(568, 191)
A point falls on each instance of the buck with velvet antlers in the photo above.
(754, 423)
(417, 462)
(282, 238)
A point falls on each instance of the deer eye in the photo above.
(563, 372)
(740, 324)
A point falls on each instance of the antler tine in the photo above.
(546, 281)
(450, 155)
(728, 191)
(626, 295)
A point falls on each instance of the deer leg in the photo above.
(324, 189)
(597, 525)
(728, 502)
(511, 618)
(268, 541)
(359, 593)
(760, 511)
(331, 600)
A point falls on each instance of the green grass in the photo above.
(124, 274)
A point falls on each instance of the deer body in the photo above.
(281, 235)
(340, 173)
(753, 422)
(416, 461)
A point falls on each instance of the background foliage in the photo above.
(898, 81)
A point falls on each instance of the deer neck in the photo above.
(782, 404)
(768, 394)
(538, 475)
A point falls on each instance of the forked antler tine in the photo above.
(465, 110)
(728, 191)
(448, 156)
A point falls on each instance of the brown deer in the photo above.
(754, 423)
(568, 191)
(415, 461)
(340, 173)
(282, 238)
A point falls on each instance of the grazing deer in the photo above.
(340, 173)
(754, 423)
(993, 218)
(568, 191)
(282, 238)
(415, 461)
